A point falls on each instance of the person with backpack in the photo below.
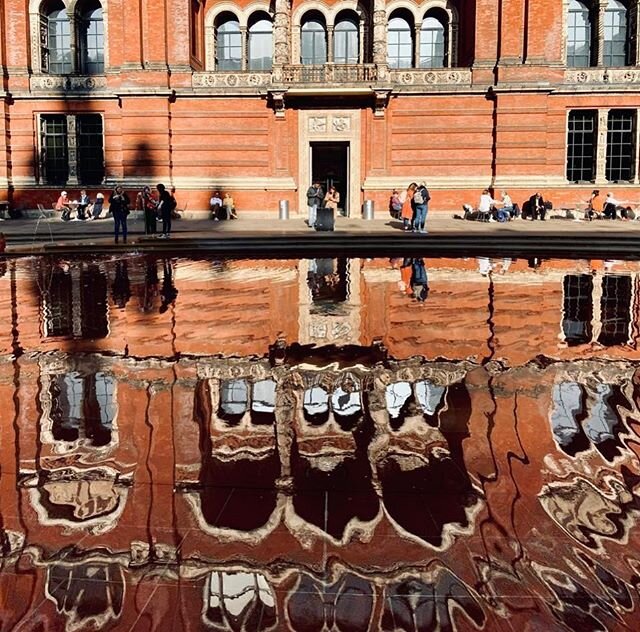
(421, 199)
(166, 205)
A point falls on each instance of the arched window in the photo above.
(400, 43)
(313, 44)
(615, 34)
(228, 43)
(578, 36)
(91, 39)
(261, 45)
(433, 43)
(57, 60)
(345, 42)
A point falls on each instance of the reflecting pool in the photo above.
(327, 444)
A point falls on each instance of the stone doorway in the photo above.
(324, 135)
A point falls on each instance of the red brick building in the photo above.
(257, 98)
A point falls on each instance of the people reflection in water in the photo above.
(169, 293)
(150, 288)
(121, 290)
(488, 266)
(413, 278)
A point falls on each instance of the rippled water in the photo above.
(319, 445)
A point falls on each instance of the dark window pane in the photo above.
(581, 138)
(578, 308)
(90, 149)
(620, 143)
(615, 310)
(54, 149)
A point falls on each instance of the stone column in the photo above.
(282, 33)
(244, 46)
(380, 38)
(452, 46)
(76, 61)
(329, 44)
(72, 149)
(361, 36)
(602, 7)
(416, 46)
(601, 144)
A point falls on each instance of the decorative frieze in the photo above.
(231, 79)
(430, 77)
(67, 83)
(588, 76)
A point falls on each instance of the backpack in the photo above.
(418, 196)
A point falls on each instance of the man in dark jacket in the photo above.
(165, 208)
(315, 198)
(537, 207)
(119, 207)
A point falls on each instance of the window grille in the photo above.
(399, 44)
(620, 146)
(615, 34)
(261, 45)
(432, 44)
(90, 149)
(578, 309)
(54, 149)
(313, 43)
(229, 46)
(91, 32)
(578, 36)
(345, 42)
(581, 140)
(615, 310)
(59, 42)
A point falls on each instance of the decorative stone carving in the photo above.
(281, 32)
(230, 80)
(381, 102)
(67, 83)
(341, 124)
(602, 75)
(277, 102)
(318, 124)
(434, 76)
(379, 19)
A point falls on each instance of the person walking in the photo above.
(165, 208)
(119, 207)
(315, 198)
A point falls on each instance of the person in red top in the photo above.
(64, 206)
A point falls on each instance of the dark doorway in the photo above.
(330, 166)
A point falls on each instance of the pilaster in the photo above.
(602, 7)
(601, 155)
(417, 41)
(281, 33)
(72, 150)
(330, 44)
(380, 38)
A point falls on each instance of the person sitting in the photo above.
(395, 204)
(509, 207)
(594, 206)
(215, 203)
(96, 209)
(83, 204)
(174, 213)
(64, 206)
(611, 206)
(486, 208)
(537, 207)
(229, 207)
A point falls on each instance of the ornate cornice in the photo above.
(67, 83)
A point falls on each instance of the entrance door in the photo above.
(330, 167)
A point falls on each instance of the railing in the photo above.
(330, 73)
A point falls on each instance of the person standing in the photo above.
(119, 207)
(407, 206)
(165, 208)
(315, 198)
(421, 199)
(149, 207)
(332, 199)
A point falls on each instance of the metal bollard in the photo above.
(367, 209)
(283, 209)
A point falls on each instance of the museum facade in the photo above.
(259, 98)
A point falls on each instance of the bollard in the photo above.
(367, 209)
(283, 209)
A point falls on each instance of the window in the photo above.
(90, 150)
(261, 45)
(432, 44)
(578, 36)
(400, 43)
(91, 39)
(229, 44)
(615, 34)
(345, 42)
(578, 308)
(581, 140)
(615, 310)
(55, 162)
(620, 141)
(313, 42)
(59, 42)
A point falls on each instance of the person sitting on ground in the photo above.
(96, 209)
(508, 206)
(537, 207)
(174, 212)
(395, 204)
(215, 203)
(611, 205)
(594, 206)
(229, 207)
(64, 206)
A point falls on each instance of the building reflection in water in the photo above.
(261, 455)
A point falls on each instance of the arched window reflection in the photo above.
(615, 34)
(313, 42)
(578, 36)
(399, 43)
(433, 36)
(228, 43)
(261, 45)
(345, 42)
(91, 39)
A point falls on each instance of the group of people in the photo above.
(158, 205)
(411, 206)
(414, 281)
(222, 208)
(85, 209)
(317, 198)
(607, 208)
(504, 209)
